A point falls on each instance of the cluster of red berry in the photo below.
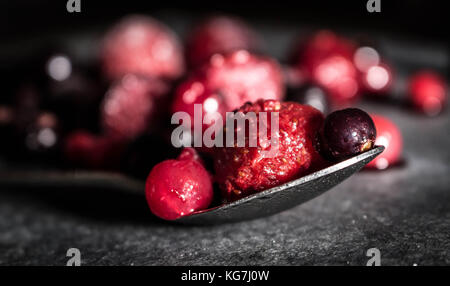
(142, 62)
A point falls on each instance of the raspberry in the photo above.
(176, 188)
(142, 45)
(241, 171)
(389, 136)
(218, 35)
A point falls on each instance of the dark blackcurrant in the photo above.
(346, 133)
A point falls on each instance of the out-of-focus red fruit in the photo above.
(142, 45)
(428, 92)
(85, 149)
(389, 136)
(131, 106)
(176, 188)
(227, 82)
(377, 79)
(218, 35)
(328, 60)
(241, 76)
(338, 75)
(194, 91)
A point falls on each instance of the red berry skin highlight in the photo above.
(177, 188)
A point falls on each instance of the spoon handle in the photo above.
(70, 179)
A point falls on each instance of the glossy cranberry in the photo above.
(241, 171)
(142, 45)
(428, 92)
(389, 136)
(241, 77)
(328, 61)
(84, 149)
(219, 34)
(131, 105)
(346, 133)
(177, 188)
(311, 94)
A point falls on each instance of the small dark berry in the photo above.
(346, 133)
(176, 188)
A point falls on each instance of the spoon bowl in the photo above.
(285, 196)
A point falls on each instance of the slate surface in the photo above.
(404, 212)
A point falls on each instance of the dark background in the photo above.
(415, 17)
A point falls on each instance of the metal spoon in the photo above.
(283, 197)
(261, 204)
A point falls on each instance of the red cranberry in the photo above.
(428, 92)
(176, 188)
(131, 105)
(389, 136)
(241, 171)
(327, 60)
(242, 76)
(346, 133)
(142, 45)
(218, 35)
